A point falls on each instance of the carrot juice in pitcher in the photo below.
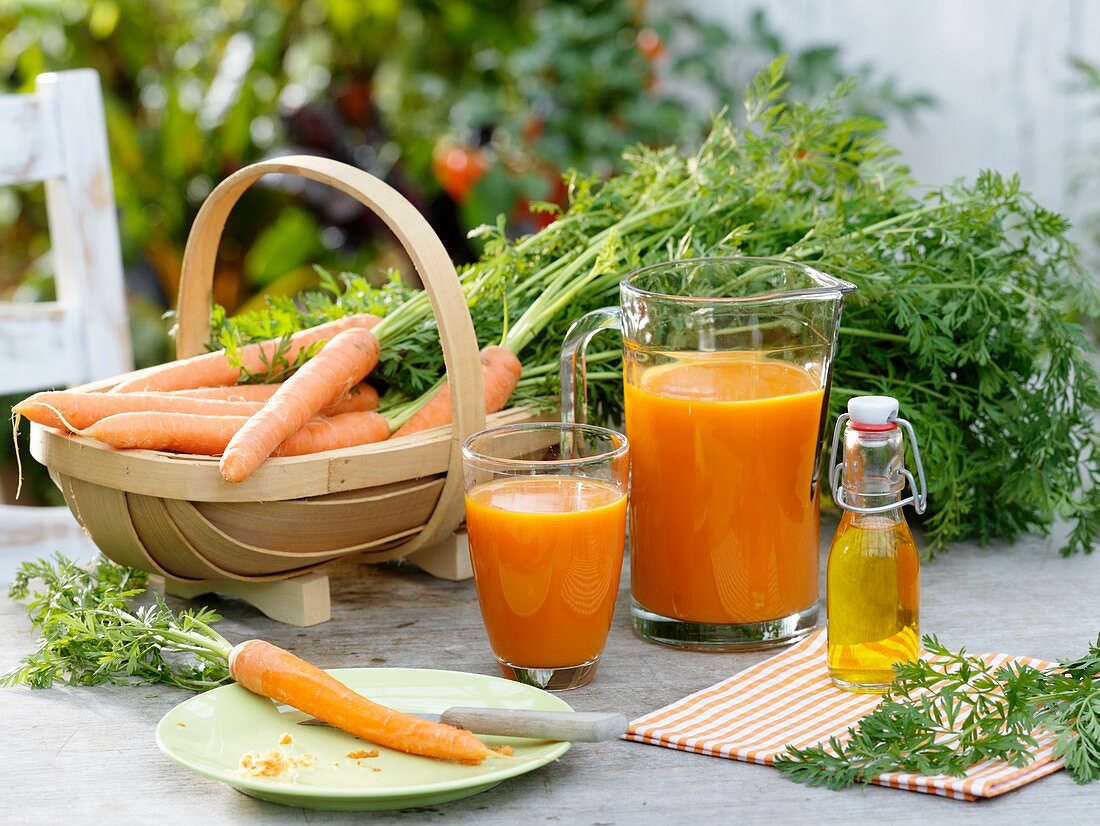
(724, 455)
(726, 366)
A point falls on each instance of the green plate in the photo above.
(209, 733)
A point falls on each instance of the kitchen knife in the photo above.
(575, 726)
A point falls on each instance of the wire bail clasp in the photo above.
(919, 487)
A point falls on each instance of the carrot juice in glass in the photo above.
(726, 366)
(546, 521)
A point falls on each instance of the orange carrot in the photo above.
(500, 371)
(342, 364)
(270, 671)
(73, 409)
(232, 392)
(210, 435)
(174, 432)
(362, 427)
(214, 369)
(361, 397)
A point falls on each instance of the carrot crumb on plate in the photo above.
(361, 753)
(504, 750)
(272, 763)
(285, 740)
(181, 724)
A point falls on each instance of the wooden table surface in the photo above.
(90, 751)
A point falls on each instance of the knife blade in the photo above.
(574, 726)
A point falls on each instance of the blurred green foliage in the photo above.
(472, 108)
(197, 88)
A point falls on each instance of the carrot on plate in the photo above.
(273, 672)
(210, 435)
(72, 409)
(343, 363)
(500, 371)
(214, 369)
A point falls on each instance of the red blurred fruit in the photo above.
(650, 45)
(458, 168)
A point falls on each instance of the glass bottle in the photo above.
(873, 577)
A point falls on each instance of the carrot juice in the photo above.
(547, 553)
(724, 513)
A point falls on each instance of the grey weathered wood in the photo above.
(30, 149)
(58, 136)
(29, 330)
(91, 750)
(80, 207)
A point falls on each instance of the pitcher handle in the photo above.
(573, 367)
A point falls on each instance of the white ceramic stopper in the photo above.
(874, 410)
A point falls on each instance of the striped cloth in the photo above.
(789, 699)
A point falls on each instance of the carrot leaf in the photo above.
(967, 311)
(98, 626)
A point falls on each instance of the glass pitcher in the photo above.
(727, 364)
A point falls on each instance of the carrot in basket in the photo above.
(361, 427)
(342, 364)
(74, 409)
(174, 432)
(361, 397)
(210, 435)
(232, 392)
(214, 369)
(270, 671)
(500, 371)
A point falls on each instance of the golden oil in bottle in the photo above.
(873, 574)
(873, 596)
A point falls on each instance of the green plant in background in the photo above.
(198, 88)
(961, 311)
(473, 108)
(596, 77)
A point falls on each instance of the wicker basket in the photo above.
(175, 516)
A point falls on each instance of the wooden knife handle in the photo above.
(575, 726)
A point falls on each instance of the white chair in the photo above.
(58, 136)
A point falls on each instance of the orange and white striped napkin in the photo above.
(790, 700)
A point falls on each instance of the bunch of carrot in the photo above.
(195, 405)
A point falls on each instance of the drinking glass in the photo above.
(546, 519)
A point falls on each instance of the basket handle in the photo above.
(434, 266)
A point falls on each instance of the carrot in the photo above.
(232, 392)
(270, 671)
(361, 397)
(174, 432)
(210, 435)
(500, 371)
(361, 427)
(342, 364)
(215, 370)
(74, 409)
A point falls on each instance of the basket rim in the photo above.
(197, 478)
